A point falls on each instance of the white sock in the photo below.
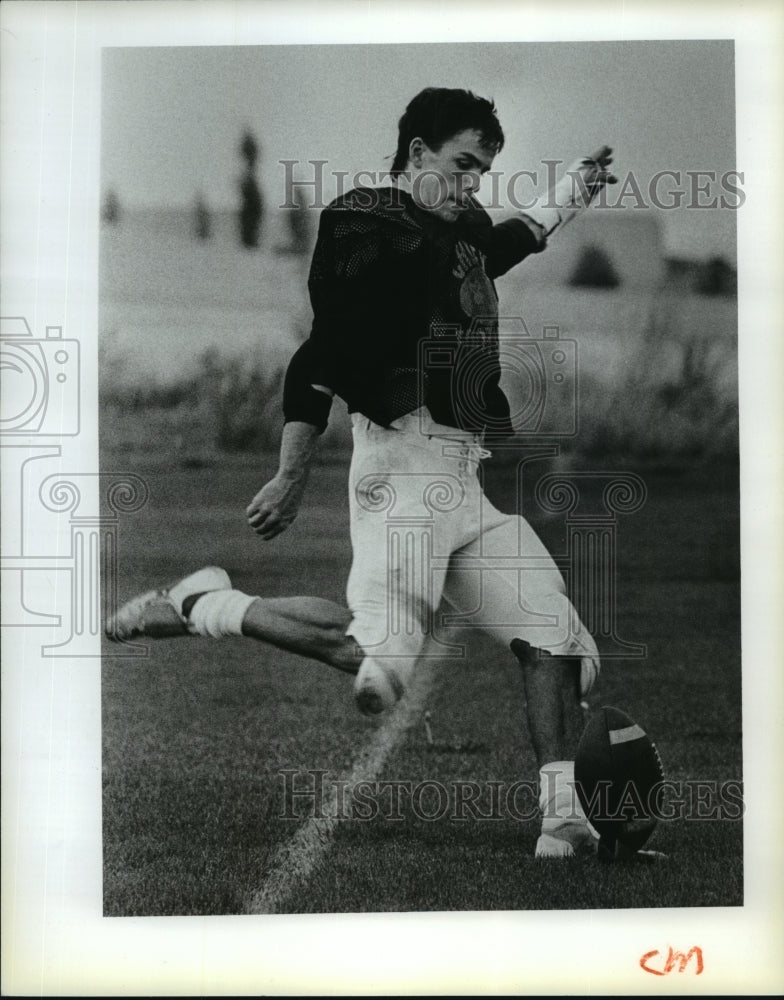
(219, 613)
(558, 798)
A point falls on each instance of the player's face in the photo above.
(442, 180)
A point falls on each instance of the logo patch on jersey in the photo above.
(477, 295)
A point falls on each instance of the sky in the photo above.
(172, 118)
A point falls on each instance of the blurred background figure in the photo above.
(251, 202)
(110, 210)
(202, 218)
(299, 227)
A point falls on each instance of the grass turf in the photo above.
(196, 733)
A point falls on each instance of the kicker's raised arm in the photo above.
(574, 191)
(528, 231)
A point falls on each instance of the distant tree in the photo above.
(251, 202)
(110, 210)
(299, 227)
(716, 277)
(594, 269)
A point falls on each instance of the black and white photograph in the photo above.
(524, 517)
(379, 537)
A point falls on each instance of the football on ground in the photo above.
(617, 772)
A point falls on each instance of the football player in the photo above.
(394, 268)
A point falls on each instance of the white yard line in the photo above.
(296, 859)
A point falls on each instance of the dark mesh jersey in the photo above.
(406, 313)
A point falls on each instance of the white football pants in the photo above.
(432, 555)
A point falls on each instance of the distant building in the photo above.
(710, 277)
(682, 273)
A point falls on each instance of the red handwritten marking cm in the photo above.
(674, 959)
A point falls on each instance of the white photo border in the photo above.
(55, 939)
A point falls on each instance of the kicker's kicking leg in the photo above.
(310, 626)
(205, 603)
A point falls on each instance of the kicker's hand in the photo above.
(580, 184)
(583, 180)
(595, 170)
(276, 505)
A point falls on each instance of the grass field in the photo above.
(196, 733)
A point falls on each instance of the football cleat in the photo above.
(159, 613)
(567, 841)
(565, 828)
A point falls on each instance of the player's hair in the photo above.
(438, 113)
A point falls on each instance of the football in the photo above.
(616, 769)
